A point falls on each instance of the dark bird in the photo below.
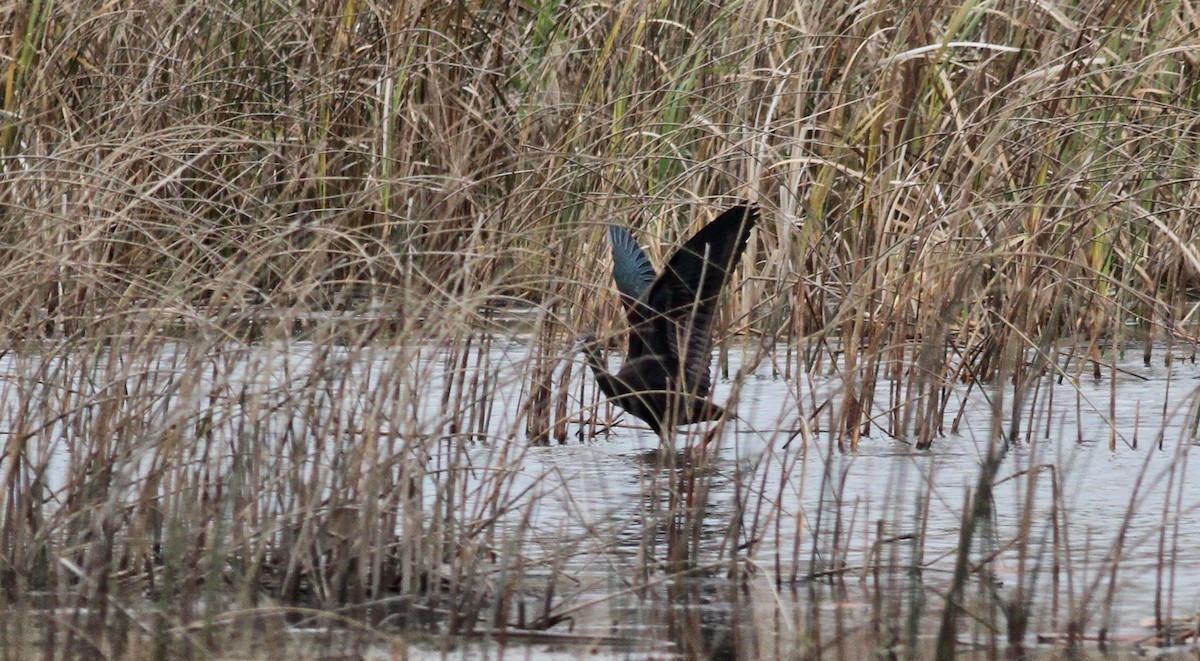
(665, 378)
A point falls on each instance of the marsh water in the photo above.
(801, 543)
(1098, 476)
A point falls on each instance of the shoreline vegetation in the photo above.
(289, 291)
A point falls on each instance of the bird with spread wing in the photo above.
(665, 378)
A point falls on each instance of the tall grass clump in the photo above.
(289, 289)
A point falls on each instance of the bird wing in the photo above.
(632, 270)
(675, 318)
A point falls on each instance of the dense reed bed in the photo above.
(289, 289)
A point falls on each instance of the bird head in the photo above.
(586, 342)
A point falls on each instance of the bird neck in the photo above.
(606, 381)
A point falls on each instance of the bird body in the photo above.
(665, 378)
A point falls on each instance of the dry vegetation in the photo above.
(256, 254)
